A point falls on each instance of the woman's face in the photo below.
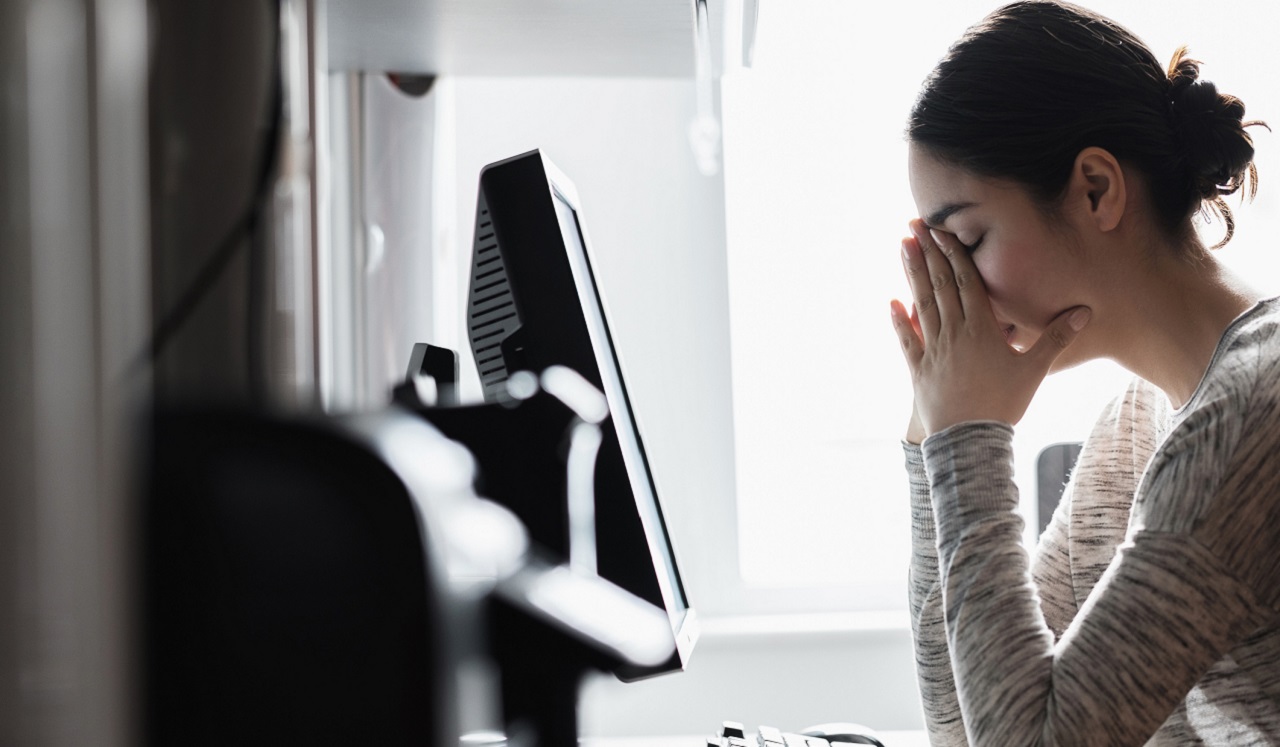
(1031, 269)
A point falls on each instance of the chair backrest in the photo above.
(288, 594)
(1053, 468)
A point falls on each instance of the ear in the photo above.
(1098, 186)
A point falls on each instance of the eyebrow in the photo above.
(939, 216)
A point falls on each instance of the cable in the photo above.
(246, 227)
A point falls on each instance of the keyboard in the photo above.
(733, 734)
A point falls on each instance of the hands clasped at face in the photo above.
(962, 367)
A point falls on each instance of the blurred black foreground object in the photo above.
(318, 581)
(291, 593)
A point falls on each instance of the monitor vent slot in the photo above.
(491, 311)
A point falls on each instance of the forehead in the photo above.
(941, 188)
(936, 184)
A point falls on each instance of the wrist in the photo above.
(915, 427)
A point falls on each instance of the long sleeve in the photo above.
(933, 660)
(1081, 539)
(1052, 572)
(1186, 587)
(1051, 568)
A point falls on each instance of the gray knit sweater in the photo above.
(1148, 614)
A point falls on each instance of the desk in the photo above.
(891, 739)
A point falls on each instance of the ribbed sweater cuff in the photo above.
(970, 468)
(922, 525)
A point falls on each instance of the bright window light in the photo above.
(817, 202)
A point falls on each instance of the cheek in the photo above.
(1010, 275)
(998, 272)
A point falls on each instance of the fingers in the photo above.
(939, 259)
(908, 333)
(917, 270)
(1060, 333)
(969, 286)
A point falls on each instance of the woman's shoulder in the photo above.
(1232, 421)
(1242, 380)
(1257, 329)
(1245, 372)
(1258, 334)
(1215, 477)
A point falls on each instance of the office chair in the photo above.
(291, 594)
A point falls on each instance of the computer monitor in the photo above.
(534, 303)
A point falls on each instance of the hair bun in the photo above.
(1217, 151)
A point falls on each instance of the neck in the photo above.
(1166, 326)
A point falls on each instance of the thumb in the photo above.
(1060, 333)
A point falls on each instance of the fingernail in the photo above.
(937, 237)
(905, 255)
(1079, 318)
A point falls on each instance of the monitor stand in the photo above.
(548, 626)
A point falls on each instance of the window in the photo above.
(816, 204)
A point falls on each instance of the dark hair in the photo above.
(1034, 83)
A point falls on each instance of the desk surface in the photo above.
(891, 739)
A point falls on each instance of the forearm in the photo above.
(985, 583)
(1112, 678)
(933, 659)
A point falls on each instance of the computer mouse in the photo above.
(844, 732)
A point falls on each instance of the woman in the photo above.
(1057, 166)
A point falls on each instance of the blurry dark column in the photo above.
(238, 187)
(211, 119)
